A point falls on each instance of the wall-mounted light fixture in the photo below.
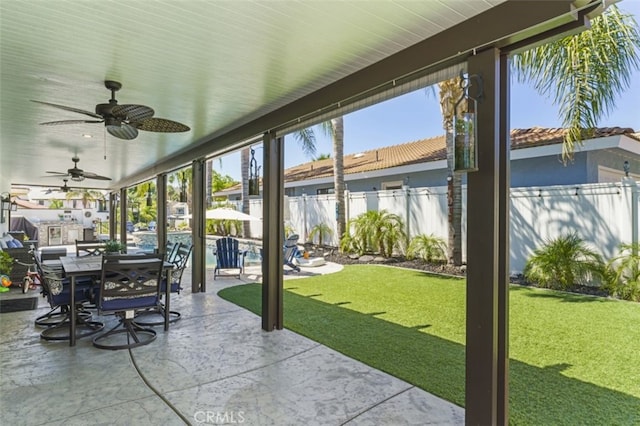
(6, 205)
(465, 135)
(254, 175)
(625, 167)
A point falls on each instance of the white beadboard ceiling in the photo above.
(213, 65)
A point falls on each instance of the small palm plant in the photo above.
(428, 247)
(563, 262)
(623, 273)
(379, 231)
(320, 230)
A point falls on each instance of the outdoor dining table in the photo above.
(92, 265)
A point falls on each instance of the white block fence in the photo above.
(604, 215)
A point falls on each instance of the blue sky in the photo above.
(417, 116)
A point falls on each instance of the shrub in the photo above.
(428, 247)
(563, 262)
(379, 231)
(6, 263)
(623, 273)
(320, 230)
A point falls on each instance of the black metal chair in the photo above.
(58, 292)
(229, 256)
(59, 313)
(128, 284)
(90, 248)
(153, 317)
(170, 251)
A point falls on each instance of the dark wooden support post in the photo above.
(161, 228)
(198, 233)
(272, 232)
(113, 206)
(484, 251)
(123, 215)
(504, 212)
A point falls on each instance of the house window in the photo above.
(607, 175)
(323, 191)
(290, 192)
(397, 184)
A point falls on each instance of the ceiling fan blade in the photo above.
(66, 108)
(57, 123)
(132, 112)
(161, 125)
(123, 131)
(89, 175)
(57, 173)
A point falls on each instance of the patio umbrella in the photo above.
(225, 214)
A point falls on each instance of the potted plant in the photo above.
(113, 247)
(6, 263)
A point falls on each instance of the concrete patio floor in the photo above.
(214, 366)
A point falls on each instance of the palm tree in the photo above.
(88, 196)
(450, 91)
(585, 73)
(307, 139)
(335, 129)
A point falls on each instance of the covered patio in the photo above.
(240, 73)
(215, 366)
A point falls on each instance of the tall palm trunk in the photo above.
(337, 125)
(245, 155)
(450, 92)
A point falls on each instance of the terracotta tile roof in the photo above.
(426, 150)
(432, 149)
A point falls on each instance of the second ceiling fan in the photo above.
(77, 174)
(121, 121)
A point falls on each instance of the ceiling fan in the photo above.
(63, 188)
(121, 121)
(77, 174)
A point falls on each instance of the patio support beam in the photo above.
(504, 183)
(161, 227)
(123, 215)
(272, 232)
(487, 190)
(113, 205)
(198, 234)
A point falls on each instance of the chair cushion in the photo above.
(126, 304)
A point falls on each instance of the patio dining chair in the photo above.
(171, 250)
(128, 284)
(90, 248)
(58, 292)
(229, 257)
(155, 316)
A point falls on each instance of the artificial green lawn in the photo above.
(574, 359)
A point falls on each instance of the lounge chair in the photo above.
(291, 252)
(228, 256)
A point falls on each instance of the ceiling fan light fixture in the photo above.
(78, 178)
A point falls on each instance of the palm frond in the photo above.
(584, 73)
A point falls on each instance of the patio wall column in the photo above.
(161, 227)
(272, 232)
(504, 212)
(123, 215)
(113, 205)
(486, 386)
(198, 233)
